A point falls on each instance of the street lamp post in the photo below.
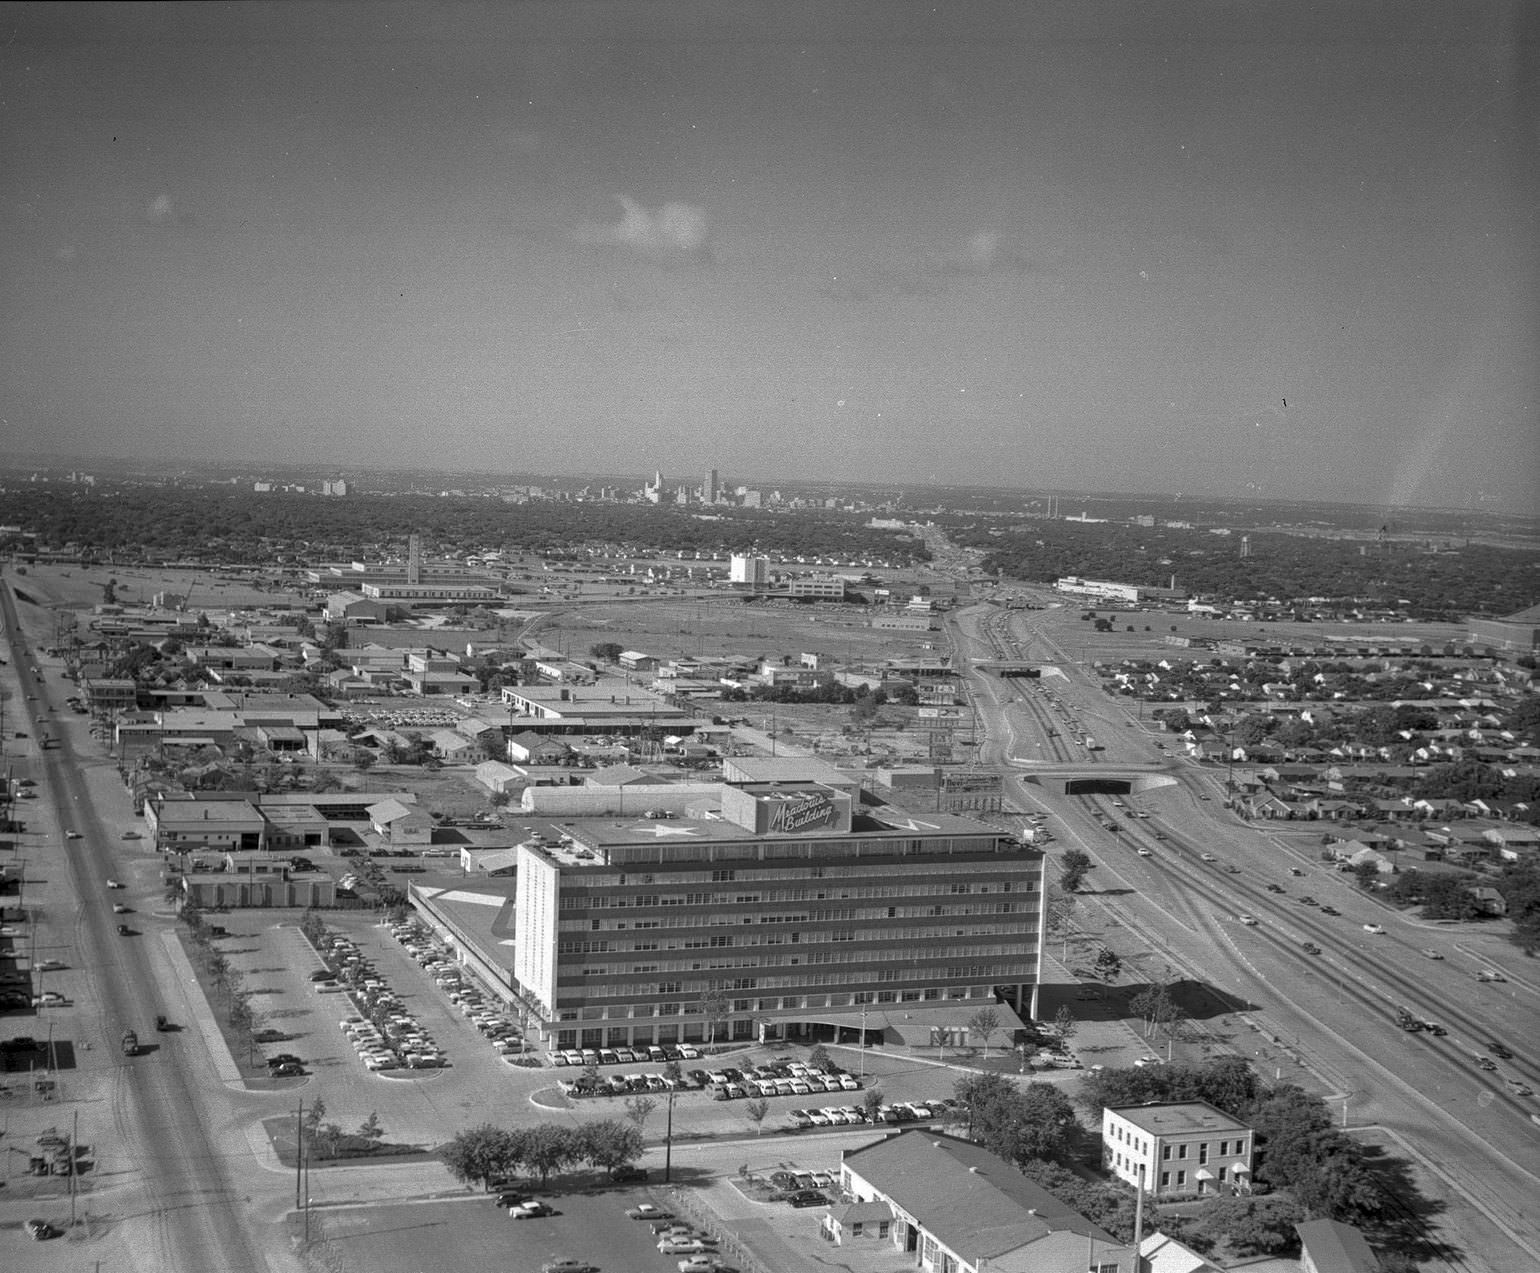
(863, 1042)
(668, 1141)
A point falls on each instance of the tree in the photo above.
(606, 651)
(1251, 1226)
(1064, 1022)
(370, 1131)
(1017, 1123)
(871, 1102)
(755, 1112)
(1073, 866)
(673, 1072)
(638, 1108)
(482, 1154)
(714, 1005)
(546, 1148)
(1108, 964)
(330, 1137)
(609, 1144)
(1366, 874)
(1155, 1005)
(818, 1058)
(983, 1023)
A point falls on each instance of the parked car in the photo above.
(1377, 929)
(530, 1209)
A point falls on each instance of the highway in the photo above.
(1340, 1004)
(185, 1211)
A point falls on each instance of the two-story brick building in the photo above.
(1179, 1150)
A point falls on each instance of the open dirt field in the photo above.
(685, 627)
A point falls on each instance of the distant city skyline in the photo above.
(1270, 251)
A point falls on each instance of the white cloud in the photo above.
(676, 233)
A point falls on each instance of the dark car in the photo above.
(1311, 948)
(1330, 910)
(808, 1198)
(628, 1175)
(1308, 901)
(125, 931)
(269, 1036)
(37, 1230)
(1499, 1049)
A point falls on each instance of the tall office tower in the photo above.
(708, 492)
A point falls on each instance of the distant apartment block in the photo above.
(751, 571)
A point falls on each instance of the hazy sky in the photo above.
(1227, 248)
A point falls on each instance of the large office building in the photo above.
(777, 908)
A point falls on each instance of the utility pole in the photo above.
(299, 1151)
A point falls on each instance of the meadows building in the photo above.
(778, 908)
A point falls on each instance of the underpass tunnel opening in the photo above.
(1097, 786)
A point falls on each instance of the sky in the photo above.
(1277, 250)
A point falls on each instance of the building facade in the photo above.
(784, 907)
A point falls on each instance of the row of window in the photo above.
(630, 989)
(773, 1003)
(579, 899)
(770, 875)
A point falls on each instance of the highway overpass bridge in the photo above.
(1080, 779)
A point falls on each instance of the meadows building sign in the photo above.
(800, 815)
(802, 809)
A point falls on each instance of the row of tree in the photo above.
(487, 1154)
(229, 526)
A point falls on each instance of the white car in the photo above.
(113, 884)
(1208, 857)
(1377, 929)
(1145, 853)
(1249, 920)
(119, 909)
